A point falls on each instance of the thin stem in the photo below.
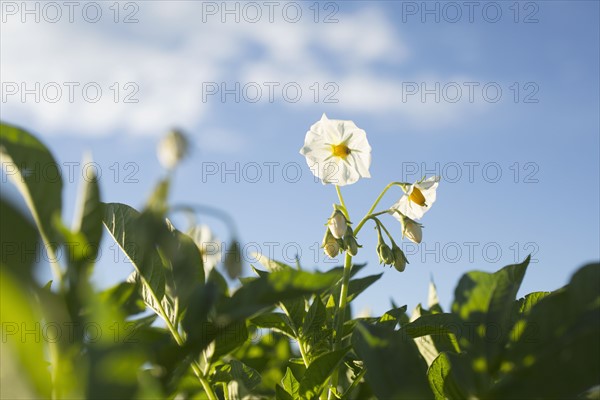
(377, 200)
(354, 383)
(341, 198)
(195, 367)
(340, 316)
(303, 353)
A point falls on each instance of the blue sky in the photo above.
(501, 99)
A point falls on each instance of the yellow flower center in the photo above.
(417, 197)
(340, 150)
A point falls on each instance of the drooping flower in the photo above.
(172, 149)
(209, 246)
(337, 224)
(337, 151)
(418, 198)
(411, 229)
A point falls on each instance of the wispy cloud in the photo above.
(163, 61)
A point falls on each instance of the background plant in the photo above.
(172, 330)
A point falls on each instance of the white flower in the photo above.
(418, 198)
(209, 246)
(172, 149)
(337, 151)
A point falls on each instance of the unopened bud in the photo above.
(400, 259)
(350, 243)
(338, 225)
(411, 230)
(330, 245)
(385, 254)
(172, 149)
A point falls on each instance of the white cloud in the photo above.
(168, 55)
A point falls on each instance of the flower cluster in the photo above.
(338, 153)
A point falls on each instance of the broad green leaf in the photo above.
(215, 278)
(526, 303)
(24, 360)
(295, 309)
(20, 242)
(316, 333)
(270, 265)
(319, 371)
(186, 266)
(227, 338)
(557, 355)
(36, 174)
(276, 287)
(124, 294)
(276, 321)
(395, 369)
(89, 214)
(291, 384)
(435, 324)
(122, 223)
(508, 282)
(392, 317)
(244, 374)
(449, 377)
(282, 394)
(359, 285)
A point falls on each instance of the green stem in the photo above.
(340, 317)
(303, 353)
(341, 198)
(354, 383)
(377, 200)
(195, 367)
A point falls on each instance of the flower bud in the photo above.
(400, 260)
(233, 260)
(412, 230)
(350, 243)
(385, 254)
(331, 246)
(172, 149)
(337, 224)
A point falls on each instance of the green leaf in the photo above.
(36, 174)
(88, 217)
(357, 286)
(431, 346)
(276, 321)
(449, 377)
(395, 369)
(291, 384)
(123, 223)
(270, 265)
(18, 235)
(125, 295)
(319, 370)
(185, 261)
(434, 324)
(267, 291)
(23, 362)
(508, 282)
(316, 333)
(557, 355)
(282, 394)
(244, 374)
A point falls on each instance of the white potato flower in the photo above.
(337, 151)
(418, 198)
